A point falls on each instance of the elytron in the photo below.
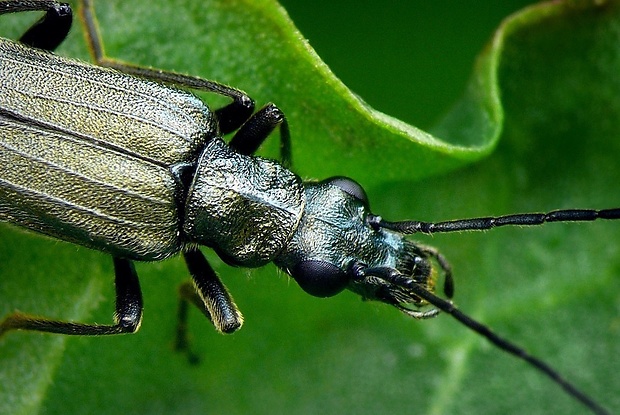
(117, 158)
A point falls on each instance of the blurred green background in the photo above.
(411, 59)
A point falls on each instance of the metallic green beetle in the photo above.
(113, 159)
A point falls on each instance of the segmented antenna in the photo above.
(484, 223)
(393, 276)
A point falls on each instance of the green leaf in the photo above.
(547, 81)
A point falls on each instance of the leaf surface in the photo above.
(539, 118)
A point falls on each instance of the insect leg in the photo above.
(230, 117)
(448, 287)
(50, 30)
(209, 295)
(128, 314)
(255, 130)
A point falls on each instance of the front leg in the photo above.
(210, 296)
(258, 127)
(50, 30)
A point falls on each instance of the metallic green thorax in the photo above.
(247, 208)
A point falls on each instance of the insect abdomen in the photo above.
(73, 190)
(85, 152)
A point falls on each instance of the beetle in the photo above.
(118, 159)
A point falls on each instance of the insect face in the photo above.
(338, 239)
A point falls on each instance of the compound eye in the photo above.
(351, 187)
(319, 278)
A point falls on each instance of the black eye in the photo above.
(351, 187)
(319, 278)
